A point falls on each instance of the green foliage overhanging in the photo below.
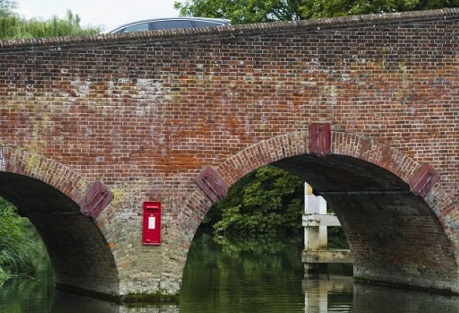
(21, 249)
(251, 11)
(268, 201)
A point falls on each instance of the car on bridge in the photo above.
(169, 23)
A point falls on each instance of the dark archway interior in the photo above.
(394, 236)
(78, 251)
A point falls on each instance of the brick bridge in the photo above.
(365, 109)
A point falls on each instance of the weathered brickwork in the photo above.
(144, 113)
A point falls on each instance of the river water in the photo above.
(250, 277)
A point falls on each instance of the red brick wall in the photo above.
(144, 113)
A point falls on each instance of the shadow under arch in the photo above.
(396, 236)
(47, 193)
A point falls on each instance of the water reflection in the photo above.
(341, 294)
(326, 293)
(27, 295)
(70, 303)
(381, 299)
(221, 277)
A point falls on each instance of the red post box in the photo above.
(151, 223)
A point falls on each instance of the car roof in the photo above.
(154, 20)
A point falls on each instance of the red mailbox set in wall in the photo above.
(151, 223)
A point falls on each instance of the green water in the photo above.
(243, 277)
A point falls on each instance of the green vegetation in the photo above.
(21, 249)
(250, 11)
(268, 201)
(12, 26)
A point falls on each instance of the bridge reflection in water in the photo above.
(341, 294)
(218, 280)
(321, 295)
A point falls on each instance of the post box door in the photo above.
(151, 223)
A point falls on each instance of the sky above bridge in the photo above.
(106, 14)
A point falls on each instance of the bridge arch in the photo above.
(52, 196)
(397, 235)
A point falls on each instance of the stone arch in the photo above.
(434, 261)
(56, 200)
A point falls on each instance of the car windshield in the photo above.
(172, 24)
(169, 23)
(136, 28)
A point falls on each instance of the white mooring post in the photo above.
(315, 236)
(315, 222)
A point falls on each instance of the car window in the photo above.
(159, 24)
(204, 24)
(171, 24)
(136, 28)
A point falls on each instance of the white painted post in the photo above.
(315, 237)
(315, 223)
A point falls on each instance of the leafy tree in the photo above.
(267, 201)
(242, 11)
(331, 8)
(6, 7)
(249, 11)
